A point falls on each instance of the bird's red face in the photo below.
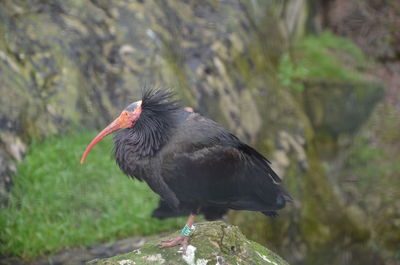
(127, 119)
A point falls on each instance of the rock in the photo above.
(211, 243)
(327, 102)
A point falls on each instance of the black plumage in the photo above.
(194, 164)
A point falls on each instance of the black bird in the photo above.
(194, 164)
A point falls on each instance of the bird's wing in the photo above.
(199, 133)
(264, 181)
(202, 173)
(205, 161)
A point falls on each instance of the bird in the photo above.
(194, 164)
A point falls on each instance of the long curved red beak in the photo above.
(125, 120)
(112, 127)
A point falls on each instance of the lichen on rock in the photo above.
(211, 243)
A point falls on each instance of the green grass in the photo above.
(321, 57)
(57, 203)
(332, 57)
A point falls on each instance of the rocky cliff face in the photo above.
(73, 64)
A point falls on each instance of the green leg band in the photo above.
(186, 231)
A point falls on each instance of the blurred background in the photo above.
(314, 85)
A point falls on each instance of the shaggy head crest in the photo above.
(158, 100)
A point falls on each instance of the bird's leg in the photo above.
(183, 238)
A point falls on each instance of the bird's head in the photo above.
(126, 119)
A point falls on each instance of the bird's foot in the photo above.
(179, 240)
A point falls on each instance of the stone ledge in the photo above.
(211, 243)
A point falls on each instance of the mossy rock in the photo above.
(211, 243)
(341, 107)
